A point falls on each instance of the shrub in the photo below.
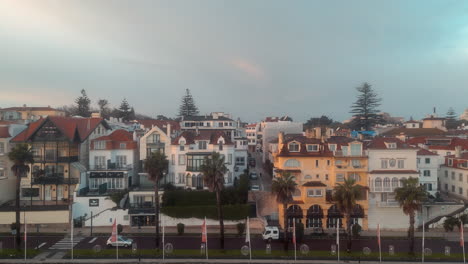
(356, 230)
(240, 229)
(119, 228)
(116, 197)
(450, 222)
(180, 229)
(231, 212)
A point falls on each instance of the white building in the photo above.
(390, 161)
(271, 127)
(453, 175)
(428, 167)
(252, 136)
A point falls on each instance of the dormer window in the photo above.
(312, 148)
(123, 145)
(450, 162)
(154, 138)
(391, 145)
(202, 145)
(356, 149)
(293, 147)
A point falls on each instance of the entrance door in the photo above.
(60, 192)
(48, 193)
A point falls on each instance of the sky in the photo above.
(250, 58)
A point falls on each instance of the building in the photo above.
(26, 113)
(464, 115)
(253, 136)
(390, 161)
(271, 126)
(428, 167)
(433, 121)
(453, 175)
(317, 167)
(412, 124)
(441, 145)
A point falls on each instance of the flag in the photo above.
(114, 231)
(247, 233)
(204, 238)
(378, 234)
(294, 232)
(462, 238)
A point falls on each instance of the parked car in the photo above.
(253, 176)
(252, 162)
(272, 233)
(121, 242)
(255, 188)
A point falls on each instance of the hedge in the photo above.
(229, 196)
(231, 212)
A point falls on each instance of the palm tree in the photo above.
(345, 196)
(283, 187)
(410, 197)
(20, 155)
(156, 165)
(213, 171)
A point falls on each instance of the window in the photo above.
(338, 162)
(181, 159)
(154, 138)
(428, 160)
(2, 147)
(316, 163)
(194, 162)
(121, 161)
(460, 190)
(328, 162)
(173, 159)
(450, 162)
(100, 162)
(428, 186)
(312, 148)
(453, 175)
(427, 173)
(391, 145)
(394, 182)
(2, 168)
(292, 163)
(446, 187)
(296, 193)
(317, 176)
(384, 163)
(446, 174)
(99, 144)
(340, 177)
(240, 161)
(332, 147)
(293, 147)
(378, 182)
(308, 177)
(30, 192)
(355, 149)
(386, 183)
(181, 178)
(229, 161)
(123, 145)
(50, 154)
(453, 188)
(401, 164)
(418, 160)
(202, 145)
(326, 177)
(460, 177)
(182, 147)
(314, 193)
(356, 163)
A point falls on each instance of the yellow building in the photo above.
(317, 166)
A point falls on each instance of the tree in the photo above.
(451, 119)
(345, 195)
(104, 108)
(20, 155)
(162, 117)
(156, 165)
(126, 112)
(365, 110)
(322, 121)
(410, 197)
(83, 105)
(187, 105)
(213, 171)
(283, 187)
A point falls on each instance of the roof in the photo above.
(251, 125)
(69, 126)
(394, 172)
(303, 141)
(211, 135)
(452, 142)
(162, 124)
(463, 155)
(380, 143)
(434, 118)
(314, 184)
(118, 135)
(414, 132)
(4, 132)
(425, 152)
(205, 117)
(34, 108)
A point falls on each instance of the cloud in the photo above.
(249, 68)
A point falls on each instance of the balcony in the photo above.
(55, 178)
(141, 208)
(388, 204)
(52, 159)
(382, 189)
(111, 167)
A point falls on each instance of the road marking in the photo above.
(41, 245)
(92, 240)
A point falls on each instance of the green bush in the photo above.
(229, 196)
(180, 229)
(119, 228)
(117, 196)
(231, 212)
(240, 229)
(356, 230)
(450, 222)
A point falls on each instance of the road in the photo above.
(264, 179)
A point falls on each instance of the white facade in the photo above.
(454, 181)
(270, 131)
(428, 167)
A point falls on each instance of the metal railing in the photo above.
(111, 167)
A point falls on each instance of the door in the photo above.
(48, 193)
(60, 192)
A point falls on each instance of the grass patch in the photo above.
(18, 254)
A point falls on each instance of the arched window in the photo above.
(386, 184)
(295, 214)
(293, 147)
(334, 217)
(394, 182)
(378, 182)
(292, 163)
(314, 216)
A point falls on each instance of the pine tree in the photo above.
(125, 111)
(451, 119)
(187, 106)
(83, 105)
(365, 108)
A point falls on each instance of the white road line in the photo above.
(92, 240)
(41, 245)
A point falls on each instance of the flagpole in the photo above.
(116, 238)
(164, 248)
(294, 230)
(25, 234)
(462, 240)
(338, 239)
(248, 232)
(71, 229)
(206, 234)
(380, 246)
(422, 256)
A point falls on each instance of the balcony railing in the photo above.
(42, 159)
(388, 204)
(382, 189)
(54, 180)
(111, 166)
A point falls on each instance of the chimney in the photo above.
(280, 140)
(318, 132)
(458, 152)
(196, 131)
(168, 130)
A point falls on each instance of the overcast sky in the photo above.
(250, 58)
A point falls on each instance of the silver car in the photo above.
(121, 242)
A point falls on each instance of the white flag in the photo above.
(247, 232)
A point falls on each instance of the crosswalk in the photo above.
(66, 243)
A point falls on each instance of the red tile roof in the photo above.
(452, 142)
(380, 143)
(251, 125)
(414, 132)
(211, 135)
(70, 126)
(394, 172)
(4, 132)
(115, 138)
(162, 124)
(425, 152)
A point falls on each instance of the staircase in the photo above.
(437, 219)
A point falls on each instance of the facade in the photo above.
(441, 145)
(390, 161)
(453, 175)
(434, 122)
(253, 136)
(428, 167)
(317, 167)
(7, 179)
(412, 124)
(270, 127)
(28, 113)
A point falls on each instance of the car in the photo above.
(252, 162)
(255, 188)
(253, 176)
(122, 242)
